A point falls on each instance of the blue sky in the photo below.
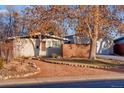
(18, 7)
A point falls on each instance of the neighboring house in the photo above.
(119, 46)
(104, 46)
(77, 40)
(36, 46)
(119, 40)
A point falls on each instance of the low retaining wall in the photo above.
(75, 50)
(79, 64)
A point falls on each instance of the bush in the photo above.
(54, 55)
(1, 63)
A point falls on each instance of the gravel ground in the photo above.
(17, 69)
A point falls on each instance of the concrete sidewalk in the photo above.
(118, 58)
(59, 79)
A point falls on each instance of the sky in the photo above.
(18, 7)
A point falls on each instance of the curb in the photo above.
(59, 80)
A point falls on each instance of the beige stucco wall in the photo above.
(24, 47)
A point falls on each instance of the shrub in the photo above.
(59, 57)
(54, 55)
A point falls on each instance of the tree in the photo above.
(96, 23)
(39, 18)
(93, 22)
(10, 27)
(94, 37)
(45, 19)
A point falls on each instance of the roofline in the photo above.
(118, 39)
(46, 35)
(70, 35)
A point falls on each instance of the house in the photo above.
(73, 39)
(105, 46)
(119, 46)
(36, 45)
(70, 38)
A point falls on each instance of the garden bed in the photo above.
(18, 69)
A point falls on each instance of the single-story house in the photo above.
(36, 45)
(119, 46)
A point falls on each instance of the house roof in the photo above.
(118, 39)
(78, 40)
(36, 35)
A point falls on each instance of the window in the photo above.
(56, 44)
(49, 44)
(43, 46)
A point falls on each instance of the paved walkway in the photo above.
(119, 58)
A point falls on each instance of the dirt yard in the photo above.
(58, 70)
(17, 69)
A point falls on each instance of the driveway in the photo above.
(113, 57)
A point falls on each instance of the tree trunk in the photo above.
(92, 54)
(100, 47)
(94, 34)
(32, 45)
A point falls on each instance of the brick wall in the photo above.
(75, 50)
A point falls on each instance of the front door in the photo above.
(43, 48)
